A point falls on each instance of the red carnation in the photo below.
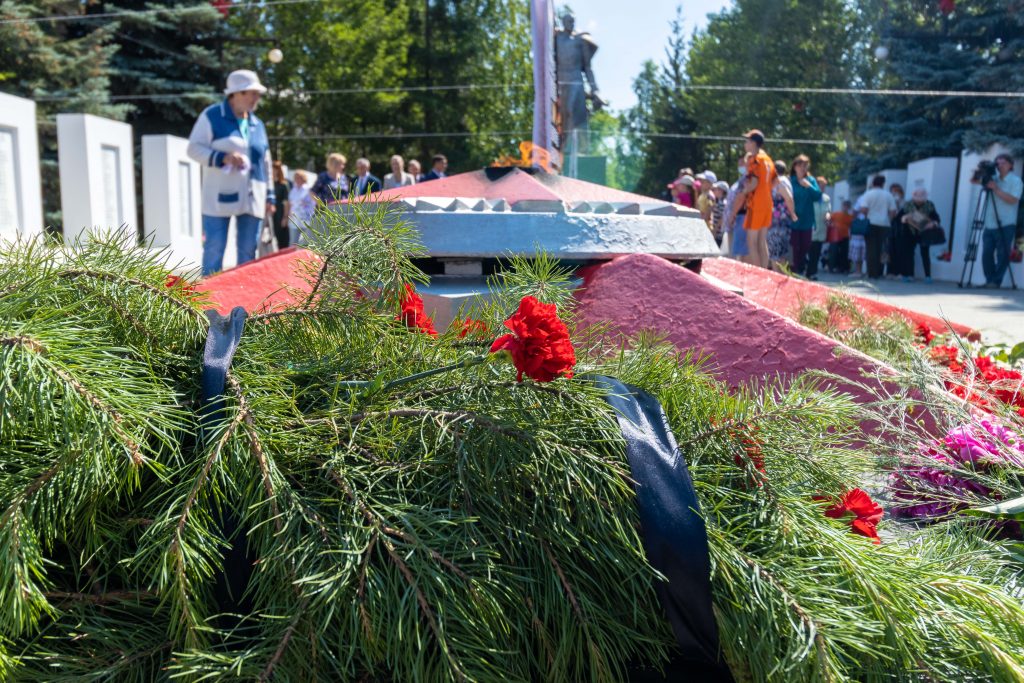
(413, 315)
(175, 282)
(539, 344)
(947, 6)
(866, 513)
(924, 333)
(470, 326)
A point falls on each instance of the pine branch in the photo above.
(163, 293)
(268, 672)
(378, 523)
(100, 598)
(454, 416)
(800, 612)
(24, 342)
(255, 445)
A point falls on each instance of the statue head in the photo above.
(568, 20)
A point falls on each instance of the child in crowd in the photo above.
(303, 206)
(859, 227)
(839, 239)
(719, 190)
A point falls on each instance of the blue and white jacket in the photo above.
(216, 133)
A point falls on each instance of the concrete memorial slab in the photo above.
(171, 198)
(97, 174)
(21, 205)
(746, 343)
(568, 218)
(841, 192)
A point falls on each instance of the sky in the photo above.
(629, 32)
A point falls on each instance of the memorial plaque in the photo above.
(9, 195)
(111, 158)
(185, 226)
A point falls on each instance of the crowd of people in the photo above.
(244, 183)
(780, 217)
(303, 193)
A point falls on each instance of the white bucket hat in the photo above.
(242, 80)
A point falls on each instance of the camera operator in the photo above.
(1000, 223)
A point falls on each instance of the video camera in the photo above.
(985, 172)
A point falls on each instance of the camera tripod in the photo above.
(985, 199)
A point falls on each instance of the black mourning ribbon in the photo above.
(222, 341)
(673, 532)
(674, 537)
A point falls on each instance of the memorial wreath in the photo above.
(338, 491)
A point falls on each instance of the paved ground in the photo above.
(999, 314)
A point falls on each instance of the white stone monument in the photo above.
(171, 199)
(966, 204)
(21, 205)
(840, 193)
(97, 174)
(893, 176)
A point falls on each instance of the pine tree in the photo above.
(978, 46)
(64, 66)
(661, 115)
(163, 54)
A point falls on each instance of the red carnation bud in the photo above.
(470, 326)
(413, 315)
(539, 344)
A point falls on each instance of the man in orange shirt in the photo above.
(757, 193)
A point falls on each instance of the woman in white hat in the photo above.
(232, 143)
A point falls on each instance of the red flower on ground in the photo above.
(470, 327)
(946, 355)
(866, 513)
(539, 344)
(413, 315)
(924, 333)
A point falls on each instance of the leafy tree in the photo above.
(408, 53)
(660, 120)
(777, 43)
(65, 67)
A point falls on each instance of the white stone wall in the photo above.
(171, 199)
(21, 203)
(97, 174)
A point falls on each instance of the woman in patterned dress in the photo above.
(783, 215)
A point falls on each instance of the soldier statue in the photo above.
(573, 52)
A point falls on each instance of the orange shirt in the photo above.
(842, 221)
(759, 202)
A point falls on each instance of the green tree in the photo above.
(163, 54)
(979, 46)
(660, 123)
(777, 43)
(409, 54)
(64, 66)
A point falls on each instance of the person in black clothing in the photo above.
(439, 168)
(332, 184)
(915, 216)
(279, 219)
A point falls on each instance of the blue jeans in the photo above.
(215, 240)
(995, 252)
